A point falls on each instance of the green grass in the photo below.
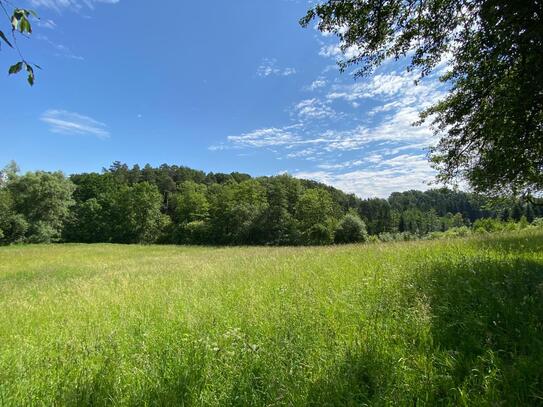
(456, 322)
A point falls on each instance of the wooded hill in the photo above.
(180, 205)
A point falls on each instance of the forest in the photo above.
(179, 205)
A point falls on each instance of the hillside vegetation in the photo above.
(417, 323)
(179, 205)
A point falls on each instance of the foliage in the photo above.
(377, 214)
(19, 21)
(455, 232)
(489, 225)
(172, 204)
(278, 225)
(490, 123)
(13, 226)
(43, 200)
(435, 323)
(351, 229)
(538, 222)
(138, 212)
(314, 212)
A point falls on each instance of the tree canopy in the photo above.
(179, 205)
(491, 122)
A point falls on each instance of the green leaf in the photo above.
(24, 25)
(20, 12)
(3, 36)
(30, 72)
(14, 22)
(34, 14)
(19, 20)
(16, 68)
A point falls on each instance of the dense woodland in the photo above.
(179, 205)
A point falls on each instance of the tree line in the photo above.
(179, 205)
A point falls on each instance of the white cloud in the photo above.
(50, 24)
(335, 51)
(264, 138)
(269, 67)
(373, 150)
(371, 159)
(60, 49)
(59, 5)
(384, 85)
(64, 122)
(395, 175)
(307, 153)
(317, 84)
(288, 71)
(314, 109)
(393, 90)
(391, 135)
(395, 131)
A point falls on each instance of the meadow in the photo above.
(447, 322)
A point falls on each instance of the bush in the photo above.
(319, 234)
(386, 237)
(488, 225)
(197, 232)
(462, 231)
(41, 232)
(373, 239)
(351, 229)
(523, 223)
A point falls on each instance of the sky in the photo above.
(216, 86)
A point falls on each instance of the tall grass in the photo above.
(456, 322)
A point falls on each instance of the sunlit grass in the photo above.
(421, 323)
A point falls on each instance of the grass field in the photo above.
(455, 322)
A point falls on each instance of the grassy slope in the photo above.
(446, 322)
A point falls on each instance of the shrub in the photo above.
(373, 239)
(462, 231)
(197, 232)
(351, 229)
(319, 234)
(523, 223)
(488, 225)
(386, 237)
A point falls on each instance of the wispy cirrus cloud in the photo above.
(336, 51)
(47, 23)
(70, 123)
(317, 84)
(357, 136)
(314, 109)
(61, 50)
(259, 138)
(269, 67)
(265, 138)
(59, 5)
(392, 175)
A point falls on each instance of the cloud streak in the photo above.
(357, 136)
(314, 109)
(59, 5)
(397, 174)
(64, 122)
(269, 67)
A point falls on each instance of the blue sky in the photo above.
(217, 86)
